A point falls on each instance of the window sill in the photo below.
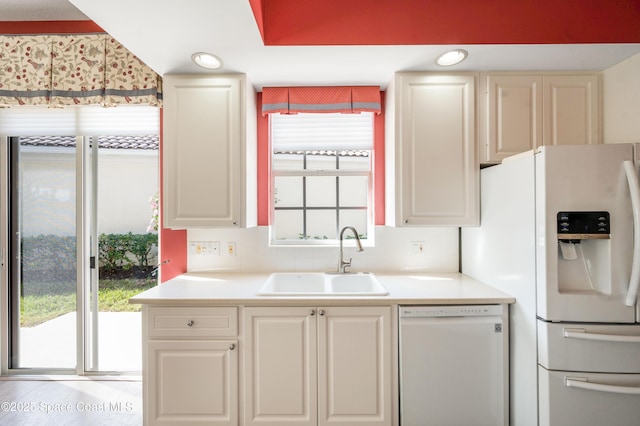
(334, 244)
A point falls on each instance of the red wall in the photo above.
(49, 27)
(397, 22)
(173, 244)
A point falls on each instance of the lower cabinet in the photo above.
(193, 382)
(317, 366)
(296, 365)
(190, 374)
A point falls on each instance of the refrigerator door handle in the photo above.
(634, 189)
(581, 333)
(582, 383)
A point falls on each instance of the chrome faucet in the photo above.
(342, 264)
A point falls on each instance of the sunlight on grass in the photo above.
(35, 310)
(113, 296)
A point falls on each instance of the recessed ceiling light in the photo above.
(451, 57)
(206, 60)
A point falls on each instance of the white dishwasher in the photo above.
(454, 365)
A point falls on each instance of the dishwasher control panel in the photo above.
(450, 311)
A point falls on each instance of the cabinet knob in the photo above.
(321, 312)
(406, 221)
(312, 312)
(190, 323)
(232, 346)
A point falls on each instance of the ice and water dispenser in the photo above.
(584, 252)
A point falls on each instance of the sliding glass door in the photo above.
(77, 237)
(43, 253)
(123, 187)
(81, 221)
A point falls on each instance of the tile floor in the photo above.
(70, 401)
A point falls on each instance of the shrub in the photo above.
(141, 246)
(124, 251)
(52, 258)
(48, 258)
(112, 251)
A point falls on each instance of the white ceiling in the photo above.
(165, 33)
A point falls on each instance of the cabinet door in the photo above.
(192, 382)
(354, 365)
(201, 151)
(436, 161)
(280, 362)
(515, 114)
(571, 110)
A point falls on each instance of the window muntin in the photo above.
(324, 184)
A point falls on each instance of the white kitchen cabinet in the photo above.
(514, 114)
(571, 110)
(317, 366)
(193, 382)
(525, 111)
(209, 151)
(190, 374)
(432, 165)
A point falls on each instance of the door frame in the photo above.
(86, 246)
(4, 255)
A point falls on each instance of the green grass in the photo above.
(113, 296)
(35, 310)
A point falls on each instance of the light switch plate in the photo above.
(417, 248)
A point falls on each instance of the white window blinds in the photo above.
(86, 120)
(298, 132)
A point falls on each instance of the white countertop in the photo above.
(214, 288)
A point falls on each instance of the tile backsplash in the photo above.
(396, 250)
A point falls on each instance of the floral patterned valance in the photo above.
(59, 70)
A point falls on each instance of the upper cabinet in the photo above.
(432, 165)
(525, 111)
(209, 151)
(571, 110)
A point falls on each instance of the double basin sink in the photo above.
(322, 284)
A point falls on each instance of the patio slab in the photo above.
(52, 344)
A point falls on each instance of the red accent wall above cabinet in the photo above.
(49, 27)
(398, 22)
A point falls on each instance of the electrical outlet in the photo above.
(204, 248)
(417, 247)
(231, 249)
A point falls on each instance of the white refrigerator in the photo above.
(557, 233)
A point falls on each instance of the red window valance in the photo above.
(344, 99)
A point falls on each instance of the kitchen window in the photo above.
(321, 177)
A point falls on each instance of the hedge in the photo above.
(47, 258)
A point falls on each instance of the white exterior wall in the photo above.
(127, 179)
(289, 190)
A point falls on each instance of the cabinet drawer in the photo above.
(193, 322)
